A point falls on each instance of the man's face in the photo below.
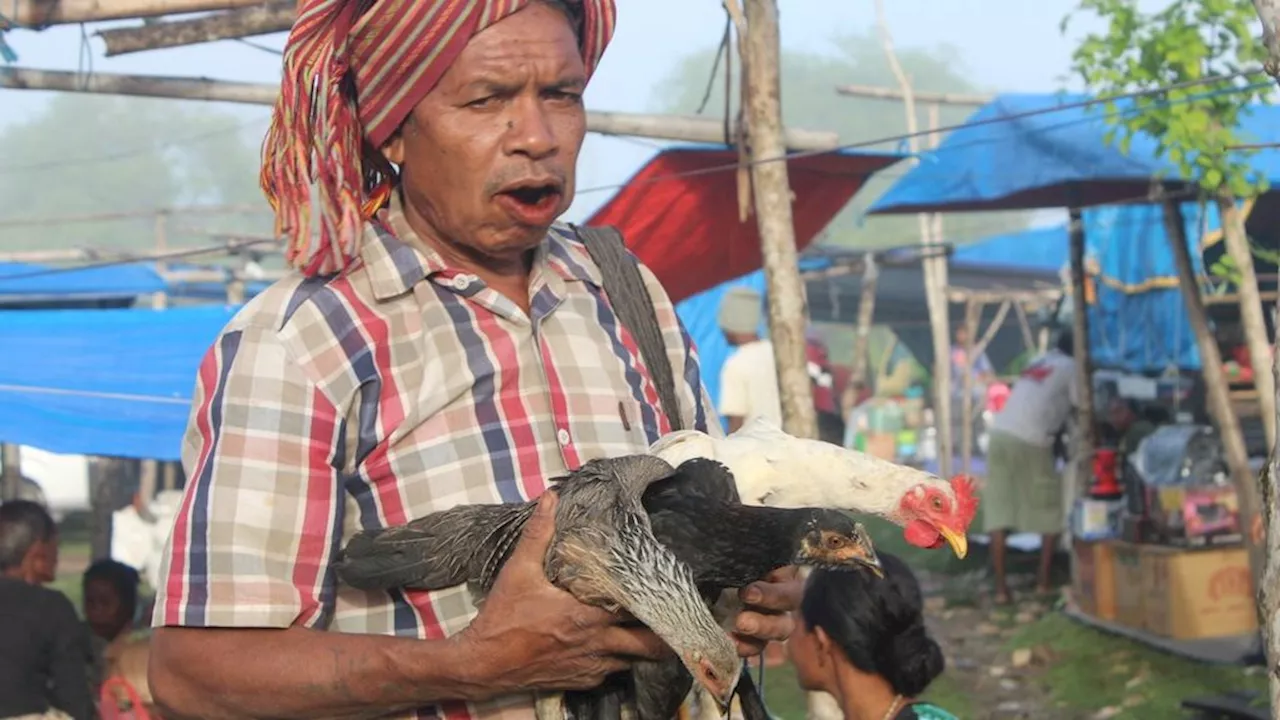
(487, 158)
(962, 336)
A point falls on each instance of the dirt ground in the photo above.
(999, 684)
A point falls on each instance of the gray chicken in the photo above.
(603, 553)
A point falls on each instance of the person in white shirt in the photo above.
(1023, 490)
(749, 377)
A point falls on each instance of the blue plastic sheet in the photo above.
(102, 382)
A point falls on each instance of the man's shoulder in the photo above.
(296, 306)
(50, 602)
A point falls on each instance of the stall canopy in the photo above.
(679, 213)
(112, 382)
(1002, 159)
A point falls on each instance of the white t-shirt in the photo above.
(749, 384)
(1041, 399)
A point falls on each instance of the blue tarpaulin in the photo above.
(1139, 321)
(23, 282)
(1031, 162)
(102, 382)
(1038, 249)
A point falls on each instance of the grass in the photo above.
(1092, 670)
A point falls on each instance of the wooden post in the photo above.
(1269, 588)
(1085, 436)
(169, 476)
(262, 19)
(1215, 382)
(160, 300)
(11, 476)
(1251, 312)
(772, 195)
(866, 314)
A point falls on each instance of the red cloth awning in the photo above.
(679, 214)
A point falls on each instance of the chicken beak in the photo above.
(872, 563)
(959, 542)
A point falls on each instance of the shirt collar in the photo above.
(396, 260)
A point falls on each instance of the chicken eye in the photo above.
(936, 502)
(835, 542)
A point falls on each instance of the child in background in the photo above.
(110, 606)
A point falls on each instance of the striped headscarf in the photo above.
(353, 71)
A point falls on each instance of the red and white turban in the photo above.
(394, 51)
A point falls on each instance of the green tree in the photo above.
(89, 154)
(1188, 41)
(809, 100)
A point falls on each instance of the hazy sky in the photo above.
(1009, 45)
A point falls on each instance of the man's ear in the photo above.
(393, 149)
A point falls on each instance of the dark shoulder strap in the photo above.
(630, 299)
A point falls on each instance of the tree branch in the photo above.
(37, 14)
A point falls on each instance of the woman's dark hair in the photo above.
(123, 578)
(877, 622)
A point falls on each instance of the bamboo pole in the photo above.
(934, 264)
(760, 60)
(972, 316)
(1251, 312)
(1215, 381)
(873, 92)
(662, 127)
(866, 314)
(37, 14)
(1086, 438)
(260, 19)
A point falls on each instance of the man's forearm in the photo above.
(299, 673)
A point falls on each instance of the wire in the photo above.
(256, 46)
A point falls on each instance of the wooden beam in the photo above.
(37, 14)
(243, 22)
(666, 127)
(873, 92)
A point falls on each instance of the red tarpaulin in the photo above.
(685, 226)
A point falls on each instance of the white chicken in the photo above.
(773, 468)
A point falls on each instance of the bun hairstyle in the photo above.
(877, 622)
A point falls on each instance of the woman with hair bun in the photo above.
(863, 640)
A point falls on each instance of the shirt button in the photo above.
(461, 282)
(563, 436)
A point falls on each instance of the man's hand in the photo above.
(767, 606)
(532, 635)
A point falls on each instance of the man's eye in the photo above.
(483, 102)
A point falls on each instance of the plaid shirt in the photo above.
(329, 405)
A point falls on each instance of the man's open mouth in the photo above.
(532, 204)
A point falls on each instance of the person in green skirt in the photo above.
(863, 640)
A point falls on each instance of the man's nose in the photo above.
(531, 132)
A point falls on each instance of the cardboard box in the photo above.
(1095, 587)
(1126, 563)
(1202, 593)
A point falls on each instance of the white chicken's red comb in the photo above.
(966, 497)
